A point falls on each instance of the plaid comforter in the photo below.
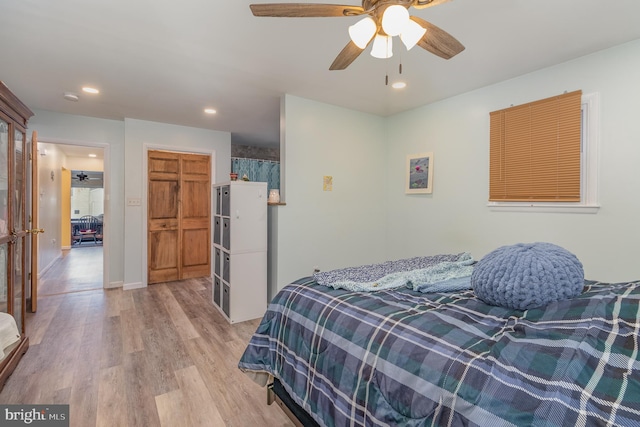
(405, 358)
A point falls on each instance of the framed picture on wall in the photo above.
(419, 174)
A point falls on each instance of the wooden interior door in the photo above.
(195, 216)
(163, 240)
(179, 216)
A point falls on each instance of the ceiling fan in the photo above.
(386, 18)
(81, 176)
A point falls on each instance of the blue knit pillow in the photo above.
(527, 275)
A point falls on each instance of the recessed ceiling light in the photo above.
(93, 155)
(70, 96)
(210, 111)
(399, 85)
(92, 90)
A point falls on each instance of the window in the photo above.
(543, 155)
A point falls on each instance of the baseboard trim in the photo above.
(46, 268)
(129, 286)
(114, 285)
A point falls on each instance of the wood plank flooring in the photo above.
(159, 356)
(79, 269)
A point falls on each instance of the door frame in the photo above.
(33, 206)
(106, 150)
(145, 194)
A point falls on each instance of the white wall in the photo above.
(342, 227)
(455, 218)
(49, 205)
(141, 136)
(86, 201)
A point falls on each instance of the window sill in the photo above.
(543, 208)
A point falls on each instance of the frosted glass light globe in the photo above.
(395, 19)
(362, 32)
(382, 47)
(412, 34)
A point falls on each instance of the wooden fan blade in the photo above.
(438, 41)
(349, 54)
(299, 10)
(421, 4)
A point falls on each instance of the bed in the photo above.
(402, 357)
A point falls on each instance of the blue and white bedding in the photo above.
(406, 358)
(426, 272)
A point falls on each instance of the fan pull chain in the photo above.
(386, 80)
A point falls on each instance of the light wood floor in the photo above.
(159, 356)
(80, 269)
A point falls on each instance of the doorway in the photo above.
(86, 209)
(63, 178)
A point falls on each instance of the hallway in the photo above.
(79, 269)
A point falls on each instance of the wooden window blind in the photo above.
(535, 151)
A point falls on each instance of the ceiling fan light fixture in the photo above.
(391, 18)
(412, 34)
(395, 19)
(382, 47)
(362, 32)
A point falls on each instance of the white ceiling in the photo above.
(166, 61)
(81, 151)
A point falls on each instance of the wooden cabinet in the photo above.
(14, 244)
(240, 250)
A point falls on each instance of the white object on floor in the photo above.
(9, 333)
